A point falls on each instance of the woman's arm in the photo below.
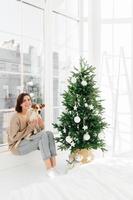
(14, 130)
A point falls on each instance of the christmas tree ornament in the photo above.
(75, 107)
(96, 112)
(72, 144)
(86, 105)
(101, 135)
(91, 107)
(68, 139)
(86, 137)
(77, 119)
(85, 127)
(73, 80)
(84, 83)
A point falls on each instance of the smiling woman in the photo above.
(21, 126)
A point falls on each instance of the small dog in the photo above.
(35, 113)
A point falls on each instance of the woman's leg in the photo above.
(47, 154)
(53, 161)
(48, 164)
(52, 148)
(38, 141)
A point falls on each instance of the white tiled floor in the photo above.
(19, 171)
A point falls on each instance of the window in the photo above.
(21, 52)
(66, 49)
(116, 69)
(107, 43)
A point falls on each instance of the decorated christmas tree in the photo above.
(81, 125)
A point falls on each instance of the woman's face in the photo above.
(26, 103)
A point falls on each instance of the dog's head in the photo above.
(37, 107)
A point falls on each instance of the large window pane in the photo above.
(85, 8)
(32, 85)
(122, 38)
(32, 23)
(66, 46)
(69, 7)
(106, 8)
(106, 38)
(21, 52)
(10, 16)
(123, 8)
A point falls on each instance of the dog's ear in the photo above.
(33, 106)
(42, 106)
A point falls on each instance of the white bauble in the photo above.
(73, 80)
(69, 139)
(77, 119)
(101, 135)
(86, 137)
(91, 107)
(75, 107)
(72, 144)
(86, 105)
(84, 83)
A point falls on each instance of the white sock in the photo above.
(51, 173)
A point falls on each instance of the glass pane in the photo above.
(32, 56)
(123, 8)
(122, 38)
(66, 46)
(32, 23)
(85, 8)
(69, 7)
(9, 53)
(72, 7)
(55, 115)
(106, 8)
(85, 36)
(4, 122)
(10, 16)
(59, 25)
(106, 38)
(39, 3)
(32, 85)
(8, 90)
(55, 92)
(72, 34)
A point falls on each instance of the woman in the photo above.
(21, 127)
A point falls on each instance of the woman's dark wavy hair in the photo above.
(20, 98)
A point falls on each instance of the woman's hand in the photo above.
(40, 122)
(33, 123)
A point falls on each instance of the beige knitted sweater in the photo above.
(18, 129)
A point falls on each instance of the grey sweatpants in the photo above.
(43, 141)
